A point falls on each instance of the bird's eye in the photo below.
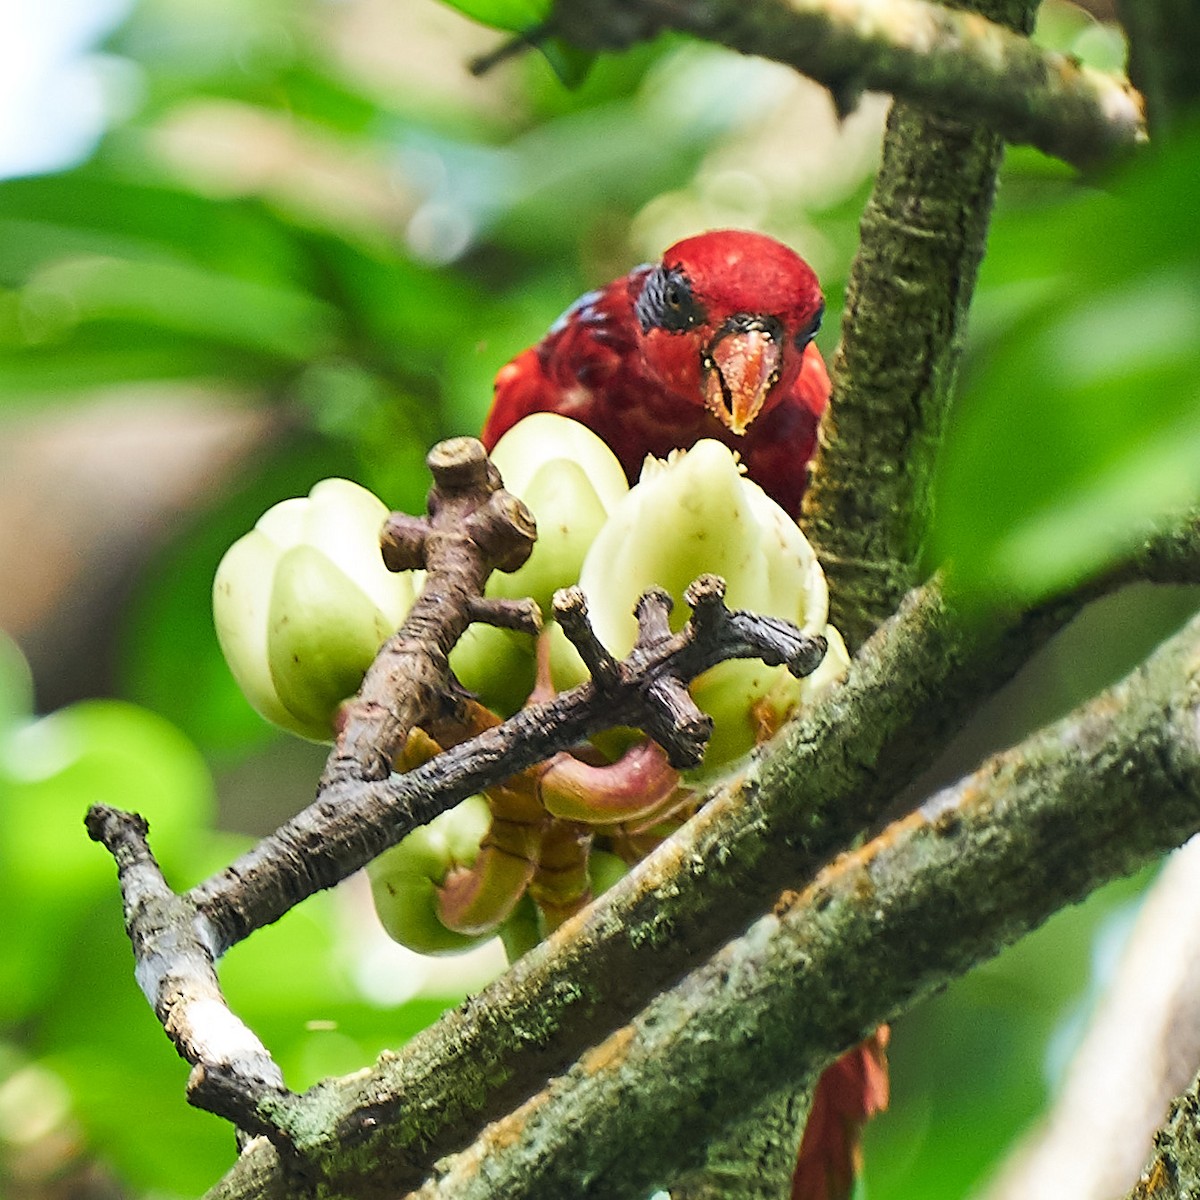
(806, 335)
(666, 302)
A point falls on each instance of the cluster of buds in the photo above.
(304, 601)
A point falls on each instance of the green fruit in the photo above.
(303, 602)
(322, 635)
(569, 514)
(406, 878)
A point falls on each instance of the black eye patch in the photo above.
(806, 335)
(666, 302)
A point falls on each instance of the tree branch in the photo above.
(473, 528)
(353, 821)
(177, 939)
(232, 1069)
(828, 775)
(922, 238)
(951, 61)
(1087, 800)
(1173, 1172)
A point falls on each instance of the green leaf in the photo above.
(91, 211)
(177, 297)
(1078, 426)
(511, 16)
(98, 752)
(568, 62)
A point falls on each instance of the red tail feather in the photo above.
(847, 1095)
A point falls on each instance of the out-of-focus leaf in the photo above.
(98, 752)
(512, 16)
(51, 770)
(569, 63)
(119, 354)
(177, 297)
(1079, 425)
(93, 211)
(16, 685)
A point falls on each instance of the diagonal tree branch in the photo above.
(910, 688)
(1096, 796)
(177, 939)
(950, 61)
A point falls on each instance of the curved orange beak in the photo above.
(740, 368)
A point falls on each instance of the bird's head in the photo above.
(725, 319)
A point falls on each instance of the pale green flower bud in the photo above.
(692, 514)
(303, 602)
(570, 480)
(405, 879)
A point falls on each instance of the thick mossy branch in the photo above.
(1173, 1172)
(922, 239)
(1092, 798)
(947, 60)
(828, 775)
(910, 689)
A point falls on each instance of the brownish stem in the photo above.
(473, 528)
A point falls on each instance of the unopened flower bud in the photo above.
(691, 514)
(405, 879)
(303, 602)
(570, 480)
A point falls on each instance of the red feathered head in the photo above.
(725, 319)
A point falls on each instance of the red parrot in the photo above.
(714, 341)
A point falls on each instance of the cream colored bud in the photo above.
(691, 514)
(303, 602)
(570, 480)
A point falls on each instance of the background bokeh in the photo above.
(248, 245)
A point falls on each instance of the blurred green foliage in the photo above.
(284, 225)
(1080, 425)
